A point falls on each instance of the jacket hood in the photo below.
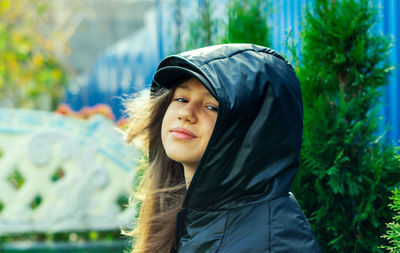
(254, 148)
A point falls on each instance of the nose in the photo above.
(188, 114)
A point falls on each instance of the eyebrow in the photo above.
(185, 87)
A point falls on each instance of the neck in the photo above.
(189, 171)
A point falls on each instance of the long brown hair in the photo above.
(162, 187)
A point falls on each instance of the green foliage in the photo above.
(141, 168)
(347, 171)
(16, 179)
(30, 75)
(247, 22)
(393, 233)
(74, 237)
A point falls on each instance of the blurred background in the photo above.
(66, 67)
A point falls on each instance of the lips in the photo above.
(182, 133)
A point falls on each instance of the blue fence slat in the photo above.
(390, 100)
(395, 116)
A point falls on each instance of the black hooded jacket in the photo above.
(238, 199)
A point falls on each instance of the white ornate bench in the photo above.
(61, 174)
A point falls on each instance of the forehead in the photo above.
(194, 85)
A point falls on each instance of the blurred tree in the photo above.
(203, 29)
(31, 35)
(347, 171)
(178, 23)
(247, 22)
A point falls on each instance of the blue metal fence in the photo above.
(390, 25)
(130, 64)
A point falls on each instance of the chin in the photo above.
(182, 158)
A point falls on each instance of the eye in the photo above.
(180, 99)
(212, 108)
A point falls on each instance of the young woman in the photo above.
(223, 132)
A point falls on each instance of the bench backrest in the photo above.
(63, 174)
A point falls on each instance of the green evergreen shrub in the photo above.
(393, 228)
(393, 233)
(347, 171)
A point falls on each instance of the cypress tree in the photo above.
(347, 170)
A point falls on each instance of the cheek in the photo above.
(210, 127)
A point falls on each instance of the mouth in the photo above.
(182, 133)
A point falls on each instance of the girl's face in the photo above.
(188, 123)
